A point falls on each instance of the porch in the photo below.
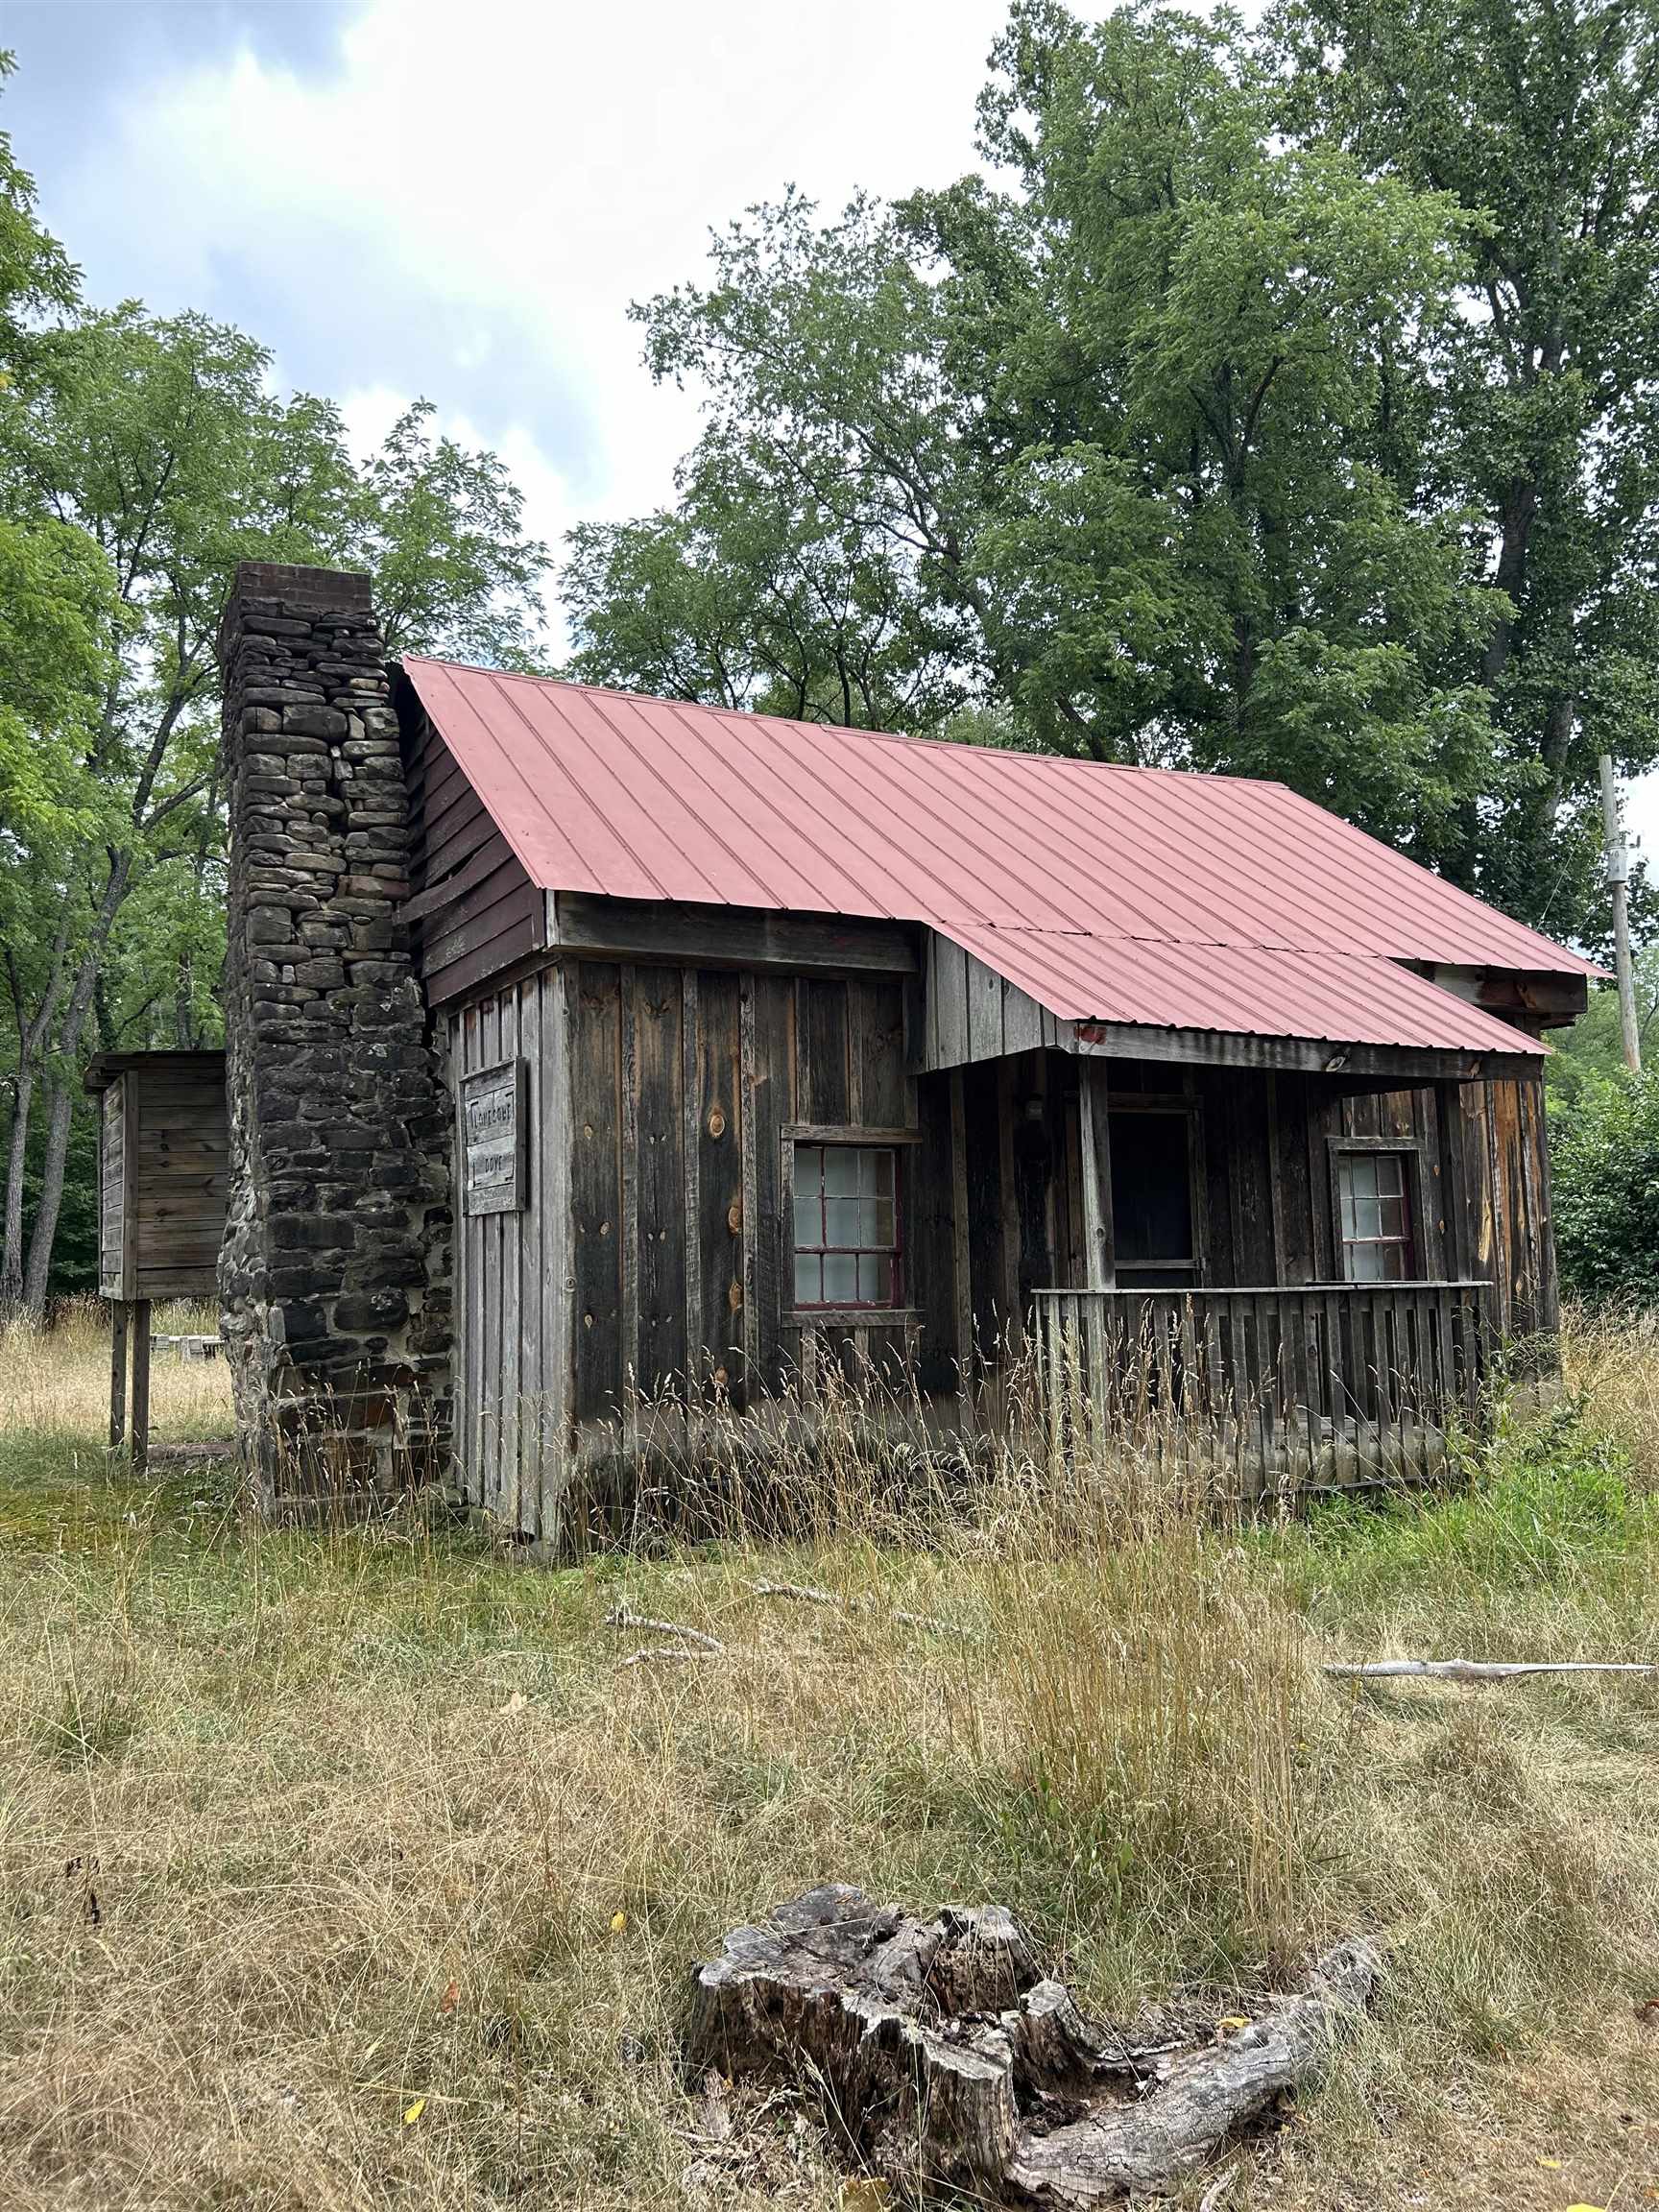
(1276, 1390)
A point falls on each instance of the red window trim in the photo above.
(894, 1253)
(1406, 1241)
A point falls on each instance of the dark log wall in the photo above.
(655, 1243)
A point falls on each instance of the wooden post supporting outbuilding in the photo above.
(118, 1313)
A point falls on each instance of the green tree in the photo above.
(158, 443)
(441, 529)
(1123, 450)
(1591, 1052)
(813, 564)
(56, 602)
(1540, 120)
(1605, 1162)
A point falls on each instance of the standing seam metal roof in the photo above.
(1111, 894)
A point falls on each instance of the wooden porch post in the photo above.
(1099, 1243)
(959, 1250)
(1095, 1146)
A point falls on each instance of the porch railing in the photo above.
(1328, 1385)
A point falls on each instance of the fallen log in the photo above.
(1481, 1670)
(623, 1616)
(806, 1593)
(945, 2053)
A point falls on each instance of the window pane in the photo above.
(875, 1279)
(1151, 1188)
(882, 1223)
(808, 1220)
(809, 1166)
(841, 1170)
(840, 1279)
(841, 1220)
(1376, 1216)
(883, 1173)
(809, 1280)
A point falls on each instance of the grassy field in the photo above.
(350, 1868)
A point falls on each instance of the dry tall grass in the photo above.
(56, 1381)
(348, 1869)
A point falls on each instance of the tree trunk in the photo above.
(32, 1035)
(63, 1099)
(945, 2057)
(59, 1115)
(1517, 511)
(12, 1249)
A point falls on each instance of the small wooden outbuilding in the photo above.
(162, 1158)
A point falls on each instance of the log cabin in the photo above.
(732, 1050)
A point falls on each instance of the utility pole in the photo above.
(1617, 880)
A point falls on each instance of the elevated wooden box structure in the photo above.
(163, 1146)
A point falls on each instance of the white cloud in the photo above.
(466, 204)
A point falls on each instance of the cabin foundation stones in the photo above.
(333, 1276)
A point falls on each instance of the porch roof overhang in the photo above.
(1358, 1016)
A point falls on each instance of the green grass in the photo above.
(299, 1828)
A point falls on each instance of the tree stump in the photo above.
(945, 2055)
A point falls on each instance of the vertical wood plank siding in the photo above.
(653, 1248)
(653, 1254)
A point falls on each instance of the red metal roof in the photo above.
(1245, 990)
(1110, 893)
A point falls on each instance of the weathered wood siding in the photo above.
(653, 1261)
(163, 1151)
(473, 909)
(1267, 1214)
(513, 1272)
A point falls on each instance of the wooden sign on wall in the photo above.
(492, 1132)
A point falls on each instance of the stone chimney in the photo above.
(334, 1274)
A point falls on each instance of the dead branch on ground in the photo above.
(1481, 1670)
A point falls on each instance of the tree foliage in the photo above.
(141, 457)
(1539, 120)
(1605, 1153)
(1277, 402)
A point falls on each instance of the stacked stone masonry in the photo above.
(334, 1275)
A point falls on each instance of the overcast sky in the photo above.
(461, 201)
(405, 197)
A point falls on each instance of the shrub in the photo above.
(1604, 1149)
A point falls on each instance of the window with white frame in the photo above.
(846, 1225)
(1373, 1199)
